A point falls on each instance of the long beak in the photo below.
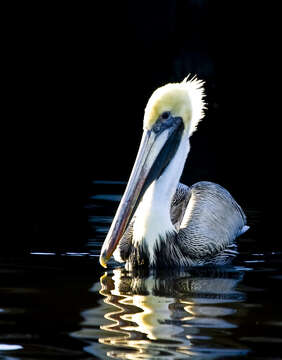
(155, 151)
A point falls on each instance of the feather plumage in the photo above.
(207, 220)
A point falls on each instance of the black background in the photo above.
(79, 77)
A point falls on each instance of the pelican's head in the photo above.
(183, 100)
(172, 112)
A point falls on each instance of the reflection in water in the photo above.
(165, 316)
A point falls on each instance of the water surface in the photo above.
(57, 304)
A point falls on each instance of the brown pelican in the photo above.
(161, 222)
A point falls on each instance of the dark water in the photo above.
(62, 305)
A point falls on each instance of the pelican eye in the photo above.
(165, 115)
(164, 121)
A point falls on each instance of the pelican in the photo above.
(161, 222)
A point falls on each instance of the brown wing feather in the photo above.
(211, 222)
(179, 204)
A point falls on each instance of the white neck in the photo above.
(152, 219)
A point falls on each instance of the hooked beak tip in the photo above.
(103, 260)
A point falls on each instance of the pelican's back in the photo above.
(211, 222)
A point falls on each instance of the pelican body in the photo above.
(161, 222)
